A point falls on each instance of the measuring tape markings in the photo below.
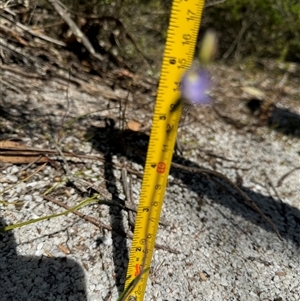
(178, 55)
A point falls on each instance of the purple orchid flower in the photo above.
(195, 84)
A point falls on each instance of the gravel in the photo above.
(225, 250)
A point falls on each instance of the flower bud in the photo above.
(208, 47)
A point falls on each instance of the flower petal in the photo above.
(195, 84)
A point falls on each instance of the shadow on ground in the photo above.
(278, 119)
(133, 146)
(46, 278)
(37, 278)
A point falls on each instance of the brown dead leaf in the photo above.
(134, 125)
(9, 143)
(280, 273)
(23, 159)
(15, 152)
(202, 276)
(64, 249)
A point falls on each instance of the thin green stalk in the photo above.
(94, 199)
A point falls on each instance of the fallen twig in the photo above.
(85, 217)
(76, 31)
(101, 225)
(280, 181)
(33, 33)
(32, 151)
(126, 181)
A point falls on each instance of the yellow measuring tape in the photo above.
(179, 52)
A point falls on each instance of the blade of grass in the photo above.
(131, 286)
(93, 199)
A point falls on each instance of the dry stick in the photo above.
(269, 182)
(86, 87)
(38, 151)
(33, 33)
(18, 71)
(12, 32)
(100, 224)
(75, 29)
(244, 196)
(85, 217)
(32, 151)
(31, 163)
(237, 39)
(280, 181)
(128, 194)
(5, 5)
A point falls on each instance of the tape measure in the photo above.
(178, 55)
